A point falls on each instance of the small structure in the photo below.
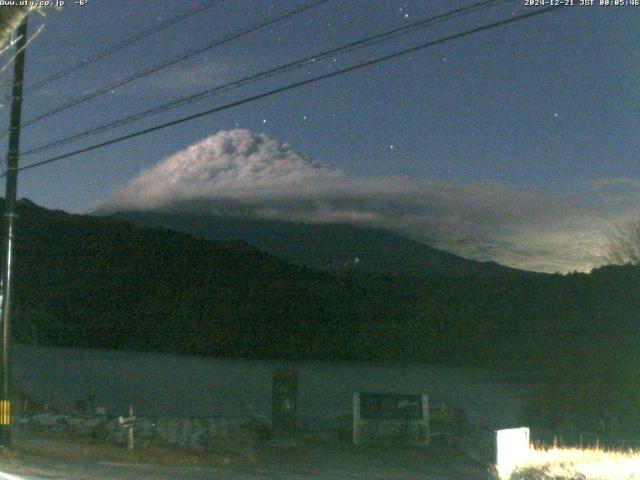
(385, 418)
(448, 423)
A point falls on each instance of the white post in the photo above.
(356, 419)
(130, 429)
(425, 416)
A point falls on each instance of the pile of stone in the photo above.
(183, 433)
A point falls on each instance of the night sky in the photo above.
(535, 123)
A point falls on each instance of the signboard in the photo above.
(126, 422)
(390, 406)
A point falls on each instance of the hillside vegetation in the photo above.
(578, 464)
(96, 282)
(333, 246)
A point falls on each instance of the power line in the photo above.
(143, 73)
(74, 67)
(352, 46)
(292, 86)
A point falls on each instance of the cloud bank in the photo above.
(239, 172)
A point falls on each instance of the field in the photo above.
(188, 386)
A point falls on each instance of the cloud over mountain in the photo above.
(239, 172)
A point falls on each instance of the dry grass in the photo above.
(579, 464)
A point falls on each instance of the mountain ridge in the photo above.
(332, 246)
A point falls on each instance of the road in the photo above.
(319, 464)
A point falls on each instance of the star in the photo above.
(264, 120)
(391, 147)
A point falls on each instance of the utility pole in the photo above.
(9, 217)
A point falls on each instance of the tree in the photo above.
(623, 245)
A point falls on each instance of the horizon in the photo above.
(117, 216)
(527, 152)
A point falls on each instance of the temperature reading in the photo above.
(82, 3)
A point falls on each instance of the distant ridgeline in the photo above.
(97, 282)
(333, 247)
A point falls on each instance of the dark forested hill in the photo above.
(92, 281)
(335, 247)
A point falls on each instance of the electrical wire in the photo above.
(288, 67)
(156, 68)
(74, 67)
(292, 86)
